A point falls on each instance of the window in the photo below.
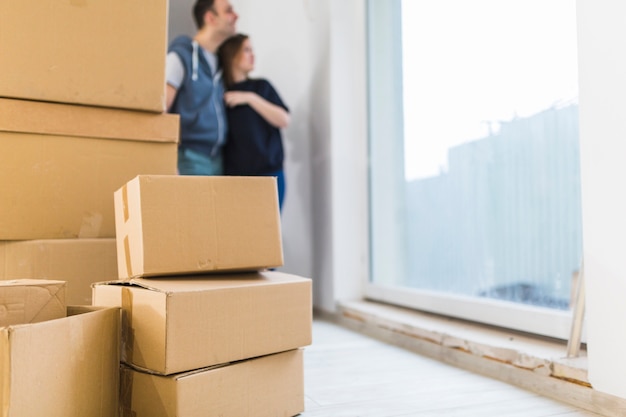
(474, 159)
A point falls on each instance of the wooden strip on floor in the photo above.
(351, 375)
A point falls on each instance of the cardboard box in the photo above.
(102, 53)
(60, 164)
(78, 262)
(30, 301)
(173, 225)
(177, 325)
(62, 368)
(269, 386)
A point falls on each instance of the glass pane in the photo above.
(482, 196)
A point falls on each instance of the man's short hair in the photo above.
(200, 9)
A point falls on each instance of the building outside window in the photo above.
(474, 159)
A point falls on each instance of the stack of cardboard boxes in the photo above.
(195, 344)
(81, 112)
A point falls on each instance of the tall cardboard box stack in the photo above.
(207, 329)
(81, 112)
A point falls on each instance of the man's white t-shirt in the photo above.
(175, 71)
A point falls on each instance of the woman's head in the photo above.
(236, 58)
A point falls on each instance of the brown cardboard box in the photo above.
(269, 386)
(60, 164)
(62, 368)
(173, 225)
(79, 262)
(177, 325)
(102, 53)
(31, 300)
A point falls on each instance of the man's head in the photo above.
(200, 8)
(218, 14)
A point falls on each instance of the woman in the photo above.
(255, 115)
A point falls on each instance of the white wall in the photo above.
(602, 75)
(325, 206)
(289, 39)
(349, 209)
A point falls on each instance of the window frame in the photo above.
(384, 16)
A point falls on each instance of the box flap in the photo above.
(25, 116)
(78, 262)
(200, 283)
(74, 361)
(176, 376)
(31, 300)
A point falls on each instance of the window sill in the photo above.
(534, 363)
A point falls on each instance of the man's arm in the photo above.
(174, 73)
(170, 95)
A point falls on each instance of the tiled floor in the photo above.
(351, 375)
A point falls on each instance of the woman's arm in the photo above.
(273, 114)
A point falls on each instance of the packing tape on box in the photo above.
(127, 325)
(125, 202)
(129, 267)
(126, 375)
(126, 393)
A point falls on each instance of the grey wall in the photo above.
(293, 50)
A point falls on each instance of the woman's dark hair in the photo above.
(226, 53)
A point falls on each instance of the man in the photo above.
(195, 91)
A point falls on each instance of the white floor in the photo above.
(351, 375)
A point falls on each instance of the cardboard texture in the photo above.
(177, 325)
(269, 386)
(78, 262)
(30, 301)
(101, 53)
(60, 165)
(173, 225)
(62, 368)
